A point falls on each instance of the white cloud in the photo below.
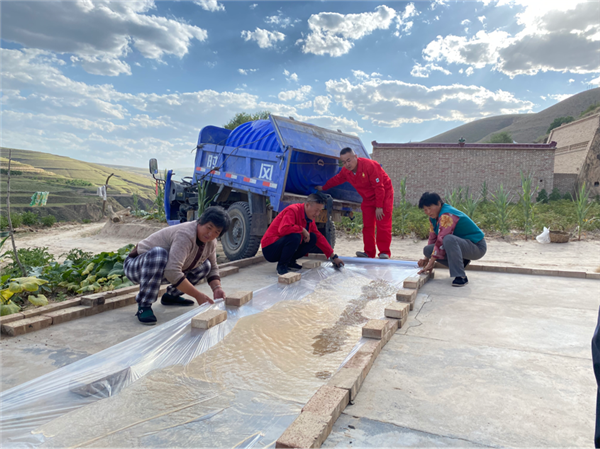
(557, 97)
(571, 81)
(392, 103)
(481, 19)
(465, 22)
(210, 5)
(555, 36)
(290, 76)
(253, 5)
(246, 71)
(305, 105)
(264, 38)
(101, 34)
(595, 81)
(436, 3)
(281, 21)
(321, 104)
(333, 33)
(298, 95)
(423, 71)
(469, 71)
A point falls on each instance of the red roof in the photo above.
(432, 145)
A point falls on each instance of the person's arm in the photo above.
(338, 179)
(214, 278)
(186, 287)
(447, 225)
(431, 241)
(322, 242)
(288, 223)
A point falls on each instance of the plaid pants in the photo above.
(148, 269)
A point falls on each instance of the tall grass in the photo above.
(582, 207)
(403, 209)
(470, 204)
(527, 202)
(503, 209)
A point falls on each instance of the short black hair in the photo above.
(429, 199)
(319, 198)
(217, 216)
(346, 151)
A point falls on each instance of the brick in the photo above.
(391, 326)
(374, 329)
(411, 282)
(244, 262)
(128, 290)
(408, 296)
(348, 379)
(328, 401)
(542, 272)
(120, 301)
(12, 317)
(423, 278)
(102, 387)
(26, 325)
(30, 313)
(572, 274)
(96, 299)
(64, 315)
(318, 256)
(592, 275)
(309, 264)
(228, 271)
(289, 278)
(371, 347)
(473, 267)
(238, 299)
(209, 319)
(398, 310)
(513, 270)
(362, 361)
(309, 430)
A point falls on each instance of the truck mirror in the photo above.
(153, 166)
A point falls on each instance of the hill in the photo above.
(524, 128)
(144, 172)
(72, 184)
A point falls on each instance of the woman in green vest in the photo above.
(454, 239)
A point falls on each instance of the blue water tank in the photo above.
(305, 172)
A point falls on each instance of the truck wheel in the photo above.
(237, 241)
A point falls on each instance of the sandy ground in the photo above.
(584, 255)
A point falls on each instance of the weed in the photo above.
(30, 218)
(503, 209)
(582, 208)
(484, 192)
(48, 220)
(526, 202)
(86, 221)
(470, 204)
(403, 209)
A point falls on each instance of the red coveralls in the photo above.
(375, 187)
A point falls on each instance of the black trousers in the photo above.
(289, 248)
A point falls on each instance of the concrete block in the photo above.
(10, 318)
(311, 264)
(411, 282)
(371, 347)
(407, 295)
(423, 278)
(398, 310)
(72, 313)
(238, 299)
(328, 401)
(228, 271)
(374, 329)
(289, 278)
(542, 272)
(362, 361)
(26, 325)
(128, 290)
(514, 270)
(349, 379)
(572, 274)
(592, 275)
(472, 267)
(309, 430)
(209, 319)
(101, 388)
(30, 313)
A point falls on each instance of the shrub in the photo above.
(560, 121)
(3, 222)
(48, 220)
(567, 196)
(555, 195)
(501, 137)
(86, 221)
(17, 220)
(542, 197)
(30, 218)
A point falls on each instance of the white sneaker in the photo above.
(384, 256)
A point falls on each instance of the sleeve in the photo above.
(376, 179)
(432, 234)
(447, 225)
(181, 247)
(338, 179)
(214, 274)
(322, 242)
(288, 223)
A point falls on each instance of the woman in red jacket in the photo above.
(294, 234)
(374, 185)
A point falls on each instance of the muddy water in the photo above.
(266, 368)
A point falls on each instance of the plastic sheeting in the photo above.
(239, 384)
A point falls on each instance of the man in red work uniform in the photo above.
(375, 187)
(294, 234)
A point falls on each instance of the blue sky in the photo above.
(120, 82)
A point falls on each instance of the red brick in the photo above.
(26, 325)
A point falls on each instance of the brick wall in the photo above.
(441, 167)
(572, 143)
(565, 182)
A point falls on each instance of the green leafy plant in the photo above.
(48, 220)
(243, 117)
(30, 218)
(560, 121)
(527, 202)
(484, 192)
(86, 221)
(469, 205)
(454, 197)
(582, 208)
(403, 209)
(568, 196)
(542, 197)
(21, 286)
(501, 137)
(503, 209)
(203, 200)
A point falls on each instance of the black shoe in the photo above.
(282, 269)
(171, 300)
(466, 262)
(361, 254)
(293, 266)
(146, 316)
(460, 281)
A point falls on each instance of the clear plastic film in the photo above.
(238, 384)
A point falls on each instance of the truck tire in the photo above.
(237, 241)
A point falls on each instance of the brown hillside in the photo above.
(524, 128)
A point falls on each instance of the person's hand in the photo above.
(306, 235)
(319, 188)
(428, 267)
(219, 293)
(422, 262)
(338, 262)
(379, 213)
(201, 298)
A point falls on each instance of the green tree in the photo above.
(555, 195)
(542, 197)
(501, 137)
(559, 121)
(243, 117)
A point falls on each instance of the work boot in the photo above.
(172, 300)
(384, 256)
(146, 316)
(361, 254)
(282, 269)
(294, 266)
(460, 281)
